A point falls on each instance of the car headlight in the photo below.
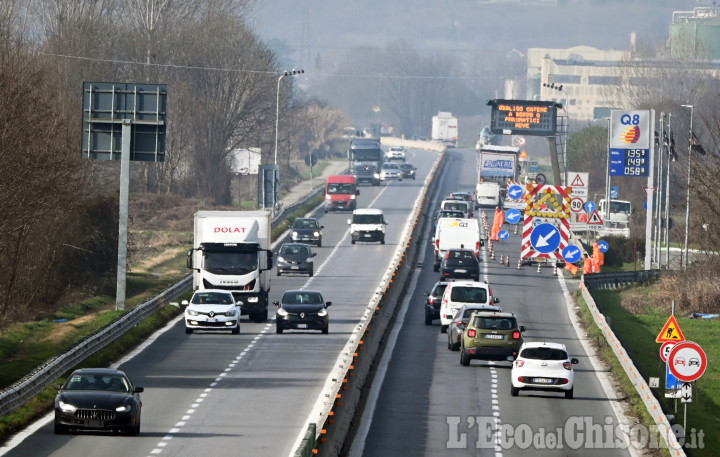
(322, 312)
(192, 312)
(352, 197)
(328, 197)
(282, 312)
(316, 233)
(123, 409)
(231, 313)
(309, 259)
(67, 407)
(281, 259)
(294, 234)
(376, 175)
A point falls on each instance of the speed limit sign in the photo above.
(577, 204)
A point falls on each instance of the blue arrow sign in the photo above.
(503, 234)
(515, 192)
(545, 238)
(512, 216)
(603, 246)
(671, 382)
(589, 207)
(572, 254)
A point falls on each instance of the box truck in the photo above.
(445, 129)
(231, 251)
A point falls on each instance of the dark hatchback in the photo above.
(460, 263)
(408, 170)
(295, 258)
(307, 230)
(302, 310)
(98, 399)
(432, 302)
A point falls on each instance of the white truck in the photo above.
(618, 224)
(444, 129)
(500, 164)
(231, 251)
(454, 233)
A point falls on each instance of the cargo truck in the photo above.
(499, 164)
(366, 158)
(231, 251)
(444, 129)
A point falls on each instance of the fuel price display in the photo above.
(629, 162)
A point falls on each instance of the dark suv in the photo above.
(432, 303)
(460, 263)
(491, 336)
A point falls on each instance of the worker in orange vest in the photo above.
(498, 220)
(588, 265)
(597, 258)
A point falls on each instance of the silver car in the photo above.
(459, 322)
(390, 172)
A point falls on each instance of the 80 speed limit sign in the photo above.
(577, 204)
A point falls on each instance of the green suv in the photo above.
(491, 335)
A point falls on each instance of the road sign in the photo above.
(576, 204)
(665, 350)
(614, 192)
(540, 178)
(687, 361)
(670, 332)
(603, 246)
(594, 218)
(686, 393)
(545, 238)
(503, 234)
(518, 141)
(672, 385)
(648, 189)
(579, 180)
(589, 207)
(512, 216)
(572, 254)
(515, 191)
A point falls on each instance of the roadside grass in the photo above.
(25, 346)
(638, 330)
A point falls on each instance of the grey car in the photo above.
(307, 230)
(458, 324)
(295, 258)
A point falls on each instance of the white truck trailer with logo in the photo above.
(444, 129)
(231, 251)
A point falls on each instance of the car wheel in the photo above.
(569, 394)
(455, 347)
(382, 240)
(278, 329)
(60, 429)
(443, 328)
(133, 431)
(319, 243)
(514, 391)
(326, 330)
(279, 273)
(436, 267)
(352, 241)
(428, 317)
(464, 358)
(188, 330)
(310, 273)
(450, 345)
(236, 330)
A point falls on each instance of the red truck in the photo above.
(341, 193)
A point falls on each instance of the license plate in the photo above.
(494, 337)
(460, 270)
(95, 424)
(367, 235)
(542, 380)
(294, 268)
(301, 325)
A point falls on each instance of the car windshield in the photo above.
(407, 166)
(109, 382)
(494, 323)
(340, 188)
(458, 206)
(305, 224)
(212, 298)
(390, 166)
(544, 353)
(367, 219)
(302, 298)
(469, 294)
(298, 249)
(363, 155)
(230, 262)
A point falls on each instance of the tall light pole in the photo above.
(687, 198)
(277, 106)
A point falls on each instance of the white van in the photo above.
(453, 233)
(487, 194)
(459, 293)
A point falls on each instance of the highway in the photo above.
(249, 394)
(430, 405)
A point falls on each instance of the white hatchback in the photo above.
(543, 366)
(459, 293)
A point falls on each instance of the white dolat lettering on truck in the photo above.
(231, 251)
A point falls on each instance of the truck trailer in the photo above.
(444, 129)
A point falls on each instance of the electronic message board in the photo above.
(523, 117)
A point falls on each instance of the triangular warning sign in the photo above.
(670, 333)
(524, 154)
(577, 182)
(595, 218)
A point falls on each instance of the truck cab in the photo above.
(341, 193)
(366, 158)
(618, 224)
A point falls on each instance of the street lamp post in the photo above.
(277, 106)
(687, 198)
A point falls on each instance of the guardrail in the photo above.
(651, 403)
(620, 279)
(39, 379)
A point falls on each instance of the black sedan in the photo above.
(408, 170)
(295, 258)
(307, 230)
(302, 310)
(460, 263)
(98, 399)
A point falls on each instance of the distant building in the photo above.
(696, 34)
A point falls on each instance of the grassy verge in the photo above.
(25, 346)
(638, 332)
